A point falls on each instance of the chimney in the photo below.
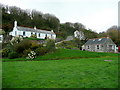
(35, 27)
(52, 31)
(15, 23)
(107, 36)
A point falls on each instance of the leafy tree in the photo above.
(113, 33)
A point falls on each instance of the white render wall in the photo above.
(27, 34)
(42, 35)
(54, 36)
(1, 38)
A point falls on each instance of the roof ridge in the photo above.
(33, 28)
(98, 38)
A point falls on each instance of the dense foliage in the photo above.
(114, 33)
(50, 45)
(72, 44)
(27, 49)
(27, 18)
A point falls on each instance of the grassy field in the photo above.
(69, 54)
(69, 73)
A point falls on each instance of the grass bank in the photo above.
(69, 54)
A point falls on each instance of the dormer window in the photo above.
(100, 39)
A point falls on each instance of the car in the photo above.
(118, 48)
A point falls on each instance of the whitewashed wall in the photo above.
(1, 38)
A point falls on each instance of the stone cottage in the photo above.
(104, 44)
(27, 32)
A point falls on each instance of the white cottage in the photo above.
(79, 35)
(27, 32)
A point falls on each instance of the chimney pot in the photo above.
(35, 27)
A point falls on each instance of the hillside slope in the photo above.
(72, 54)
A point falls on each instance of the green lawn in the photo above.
(69, 54)
(69, 73)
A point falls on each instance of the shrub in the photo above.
(41, 51)
(34, 45)
(5, 52)
(12, 55)
(23, 45)
(50, 45)
(25, 52)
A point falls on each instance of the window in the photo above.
(24, 33)
(98, 47)
(15, 32)
(39, 34)
(101, 45)
(46, 36)
(88, 47)
(51, 35)
(31, 33)
(111, 47)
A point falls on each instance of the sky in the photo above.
(98, 15)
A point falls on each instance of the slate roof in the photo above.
(69, 38)
(98, 41)
(33, 30)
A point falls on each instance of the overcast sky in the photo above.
(97, 15)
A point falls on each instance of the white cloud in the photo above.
(102, 19)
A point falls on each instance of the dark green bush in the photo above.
(5, 52)
(12, 55)
(41, 51)
(25, 52)
(35, 45)
(50, 45)
(23, 45)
